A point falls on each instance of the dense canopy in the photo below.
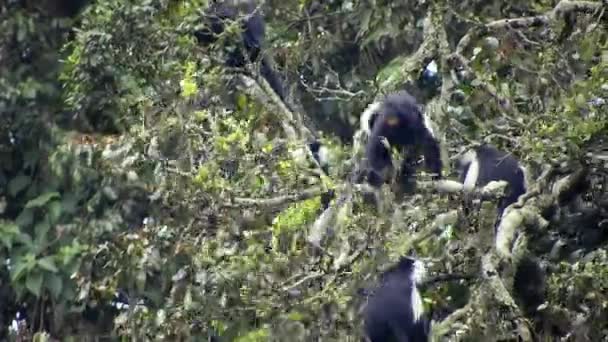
(136, 164)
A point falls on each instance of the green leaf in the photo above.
(254, 336)
(34, 283)
(48, 264)
(25, 218)
(18, 270)
(189, 88)
(55, 285)
(25, 239)
(17, 184)
(54, 211)
(8, 232)
(295, 316)
(241, 101)
(42, 199)
(41, 230)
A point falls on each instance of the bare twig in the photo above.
(458, 60)
(308, 277)
(280, 200)
(448, 277)
(562, 8)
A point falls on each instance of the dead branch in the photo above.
(434, 40)
(457, 60)
(492, 190)
(452, 323)
(559, 11)
(277, 201)
(291, 121)
(496, 290)
(447, 277)
(260, 89)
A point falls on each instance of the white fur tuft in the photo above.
(417, 305)
(432, 67)
(324, 155)
(470, 180)
(419, 272)
(526, 177)
(428, 124)
(372, 109)
(418, 275)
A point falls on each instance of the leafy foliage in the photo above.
(128, 164)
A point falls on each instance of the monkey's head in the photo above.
(414, 269)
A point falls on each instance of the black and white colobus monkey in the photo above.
(321, 154)
(486, 163)
(395, 311)
(254, 30)
(398, 119)
(105, 312)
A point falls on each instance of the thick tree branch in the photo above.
(291, 121)
(528, 215)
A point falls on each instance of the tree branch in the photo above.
(559, 11)
(280, 200)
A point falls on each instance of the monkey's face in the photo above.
(391, 121)
(391, 125)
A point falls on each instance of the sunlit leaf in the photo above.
(8, 232)
(48, 264)
(254, 336)
(19, 268)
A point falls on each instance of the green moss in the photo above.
(254, 336)
(297, 215)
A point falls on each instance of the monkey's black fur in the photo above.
(389, 314)
(495, 165)
(399, 120)
(319, 153)
(253, 34)
(529, 284)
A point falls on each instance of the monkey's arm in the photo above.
(267, 71)
(432, 157)
(379, 159)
